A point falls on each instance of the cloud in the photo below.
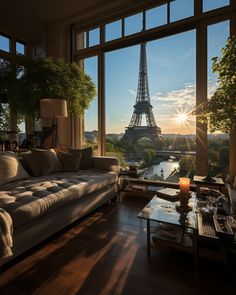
(166, 107)
(184, 97)
(176, 99)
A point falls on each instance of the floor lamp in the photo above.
(53, 108)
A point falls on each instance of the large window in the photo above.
(170, 32)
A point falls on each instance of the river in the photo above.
(166, 166)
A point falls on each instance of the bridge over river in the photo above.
(163, 154)
(176, 154)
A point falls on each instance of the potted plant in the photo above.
(220, 111)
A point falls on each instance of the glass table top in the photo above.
(161, 210)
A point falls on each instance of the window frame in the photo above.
(199, 21)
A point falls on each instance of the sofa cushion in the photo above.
(33, 198)
(47, 160)
(31, 163)
(11, 168)
(86, 161)
(69, 161)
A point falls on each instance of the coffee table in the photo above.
(174, 229)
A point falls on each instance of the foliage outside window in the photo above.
(220, 111)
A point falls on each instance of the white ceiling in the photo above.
(26, 18)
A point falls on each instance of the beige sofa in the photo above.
(38, 207)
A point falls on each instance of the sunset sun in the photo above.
(182, 117)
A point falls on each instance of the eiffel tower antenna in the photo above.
(142, 107)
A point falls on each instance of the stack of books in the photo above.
(169, 194)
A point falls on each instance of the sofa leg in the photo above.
(117, 199)
(114, 200)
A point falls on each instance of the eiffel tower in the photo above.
(143, 106)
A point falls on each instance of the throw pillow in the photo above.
(86, 161)
(31, 163)
(47, 160)
(70, 161)
(11, 169)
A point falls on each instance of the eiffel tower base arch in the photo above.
(133, 134)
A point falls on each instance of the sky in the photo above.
(171, 73)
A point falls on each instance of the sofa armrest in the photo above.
(106, 163)
(6, 231)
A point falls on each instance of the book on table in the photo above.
(168, 194)
(167, 232)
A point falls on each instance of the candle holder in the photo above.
(183, 217)
(183, 206)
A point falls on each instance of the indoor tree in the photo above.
(25, 81)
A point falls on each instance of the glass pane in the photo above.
(133, 24)
(177, 12)
(94, 37)
(4, 43)
(172, 83)
(217, 37)
(171, 72)
(20, 48)
(214, 4)
(113, 30)
(120, 96)
(156, 17)
(91, 114)
(218, 143)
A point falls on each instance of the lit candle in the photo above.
(184, 185)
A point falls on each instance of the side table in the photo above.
(163, 212)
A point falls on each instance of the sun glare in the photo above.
(182, 118)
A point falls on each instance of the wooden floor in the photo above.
(106, 254)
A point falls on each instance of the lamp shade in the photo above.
(52, 107)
